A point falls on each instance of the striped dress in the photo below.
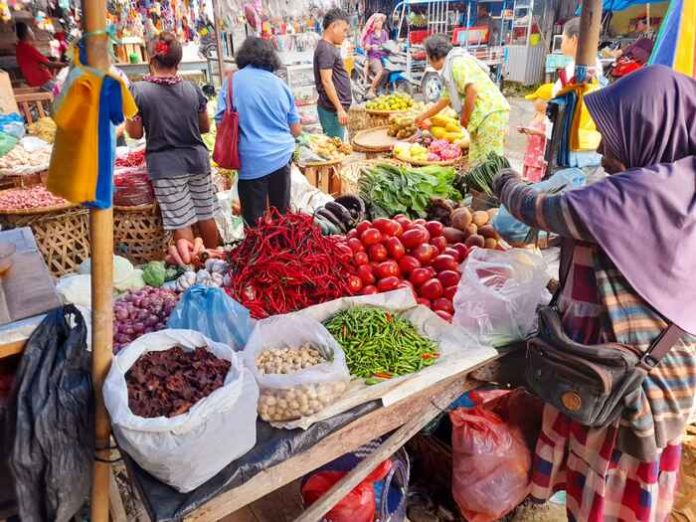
(626, 472)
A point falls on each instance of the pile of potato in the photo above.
(475, 227)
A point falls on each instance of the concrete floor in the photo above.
(521, 114)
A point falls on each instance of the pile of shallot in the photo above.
(28, 198)
(141, 312)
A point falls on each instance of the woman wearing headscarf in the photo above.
(631, 242)
(469, 90)
(373, 37)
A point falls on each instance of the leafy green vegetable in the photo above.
(390, 190)
(154, 273)
(480, 178)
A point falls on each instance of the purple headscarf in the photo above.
(645, 218)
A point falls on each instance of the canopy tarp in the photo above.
(621, 5)
(675, 46)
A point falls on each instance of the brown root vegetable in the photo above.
(480, 218)
(475, 241)
(491, 243)
(488, 232)
(471, 230)
(461, 218)
(453, 235)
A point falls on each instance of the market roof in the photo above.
(621, 5)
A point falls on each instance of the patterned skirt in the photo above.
(489, 137)
(602, 483)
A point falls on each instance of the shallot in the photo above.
(141, 312)
(28, 198)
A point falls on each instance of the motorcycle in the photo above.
(393, 78)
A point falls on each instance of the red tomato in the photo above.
(450, 291)
(361, 258)
(431, 289)
(356, 245)
(369, 290)
(431, 271)
(444, 262)
(395, 248)
(419, 276)
(419, 222)
(371, 236)
(403, 221)
(388, 269)
(387, 227)
(435, 228)
(378, 253)
(449, 278)
(388, 284)
(352, 233)
(366, 275)
(398, 229)
(451, 251)
(463, 251)
(424, 253)
(424, 302)
(443, 304)
(344, 250)
(414, 236)
(408, 264)
(355, 284)
(444, 315)
(440, 243)
(362, 227)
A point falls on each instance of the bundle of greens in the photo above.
(390, 189)
(480, 178)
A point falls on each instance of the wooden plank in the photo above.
(116, 509)
(10, 349)
(359, 432)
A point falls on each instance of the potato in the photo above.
(491, 243)
(471, 230)
(488, 232)
(461, 218)
(480, 218)
(453, 235)
(475, 241)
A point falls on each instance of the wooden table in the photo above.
(404, 418)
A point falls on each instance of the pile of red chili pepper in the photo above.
(284, 264)
(132, 159)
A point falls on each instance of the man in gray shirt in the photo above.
(331, 77)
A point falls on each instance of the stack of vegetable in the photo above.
(169, 382)
(285, 264)
(44, 128)
(480, 178)
(400, 253)
(317, 148)
(28, 199)
(340, 215)
(401, 127)
(141, 312)
(474, 227)
(389, 189)
(437, 151)
(135, 158)
(397, 101)
(379, 344)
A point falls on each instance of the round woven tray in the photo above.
(373, 112)
(38, 210)
(350, 173)
(328, 163)
(374, 140)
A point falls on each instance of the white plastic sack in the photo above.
(186, 450)
(323, 382)
(303, 196)
(498, 294)
(123, 270)
(75, 289)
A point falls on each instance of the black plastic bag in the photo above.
(51, 420)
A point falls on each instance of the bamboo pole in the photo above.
(101, 238)
(217, 20)
(588, 41)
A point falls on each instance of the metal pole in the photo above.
(217, 16)
(588, 41)
(102, 244)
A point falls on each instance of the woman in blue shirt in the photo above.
(268, 123)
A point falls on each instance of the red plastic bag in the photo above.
(357, 506)
(490, 465)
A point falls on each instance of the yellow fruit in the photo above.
(438, 132)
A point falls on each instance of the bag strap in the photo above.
(661, 347)
(564, 270)
(230, 97)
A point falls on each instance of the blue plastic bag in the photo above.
(514, 231)
(213, 313)
(12, 124)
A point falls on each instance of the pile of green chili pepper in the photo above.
(380, 344)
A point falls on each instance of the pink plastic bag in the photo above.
(490, 465)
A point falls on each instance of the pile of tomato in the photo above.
(401, 253)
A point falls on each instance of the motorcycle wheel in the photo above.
(359, 91)
(403, 86)
(431, 85)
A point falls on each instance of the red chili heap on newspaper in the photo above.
(285, 264)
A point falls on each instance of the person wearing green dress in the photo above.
(469, 90)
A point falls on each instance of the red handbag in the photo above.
(226, 151)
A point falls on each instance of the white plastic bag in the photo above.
(498, 294)
(305, 392)
(186, 450)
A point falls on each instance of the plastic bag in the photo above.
(7, 143)
(359, 505)
(75, 289)
(498, 294)
(186, 450)
(12, 124)
(490, 465)
(514, 231)
(51, 419)
(305, 392)
(213, 313)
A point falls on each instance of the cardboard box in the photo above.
(8, 104)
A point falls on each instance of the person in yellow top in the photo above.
(469, 90)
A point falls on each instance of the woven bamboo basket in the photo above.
(358, 119)
(139, 234)
(11, 181)
(350, 173)
(61, 233)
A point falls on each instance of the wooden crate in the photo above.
(139, 234)
(34, 105)
(326, 177)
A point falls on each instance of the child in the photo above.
(534, 163)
